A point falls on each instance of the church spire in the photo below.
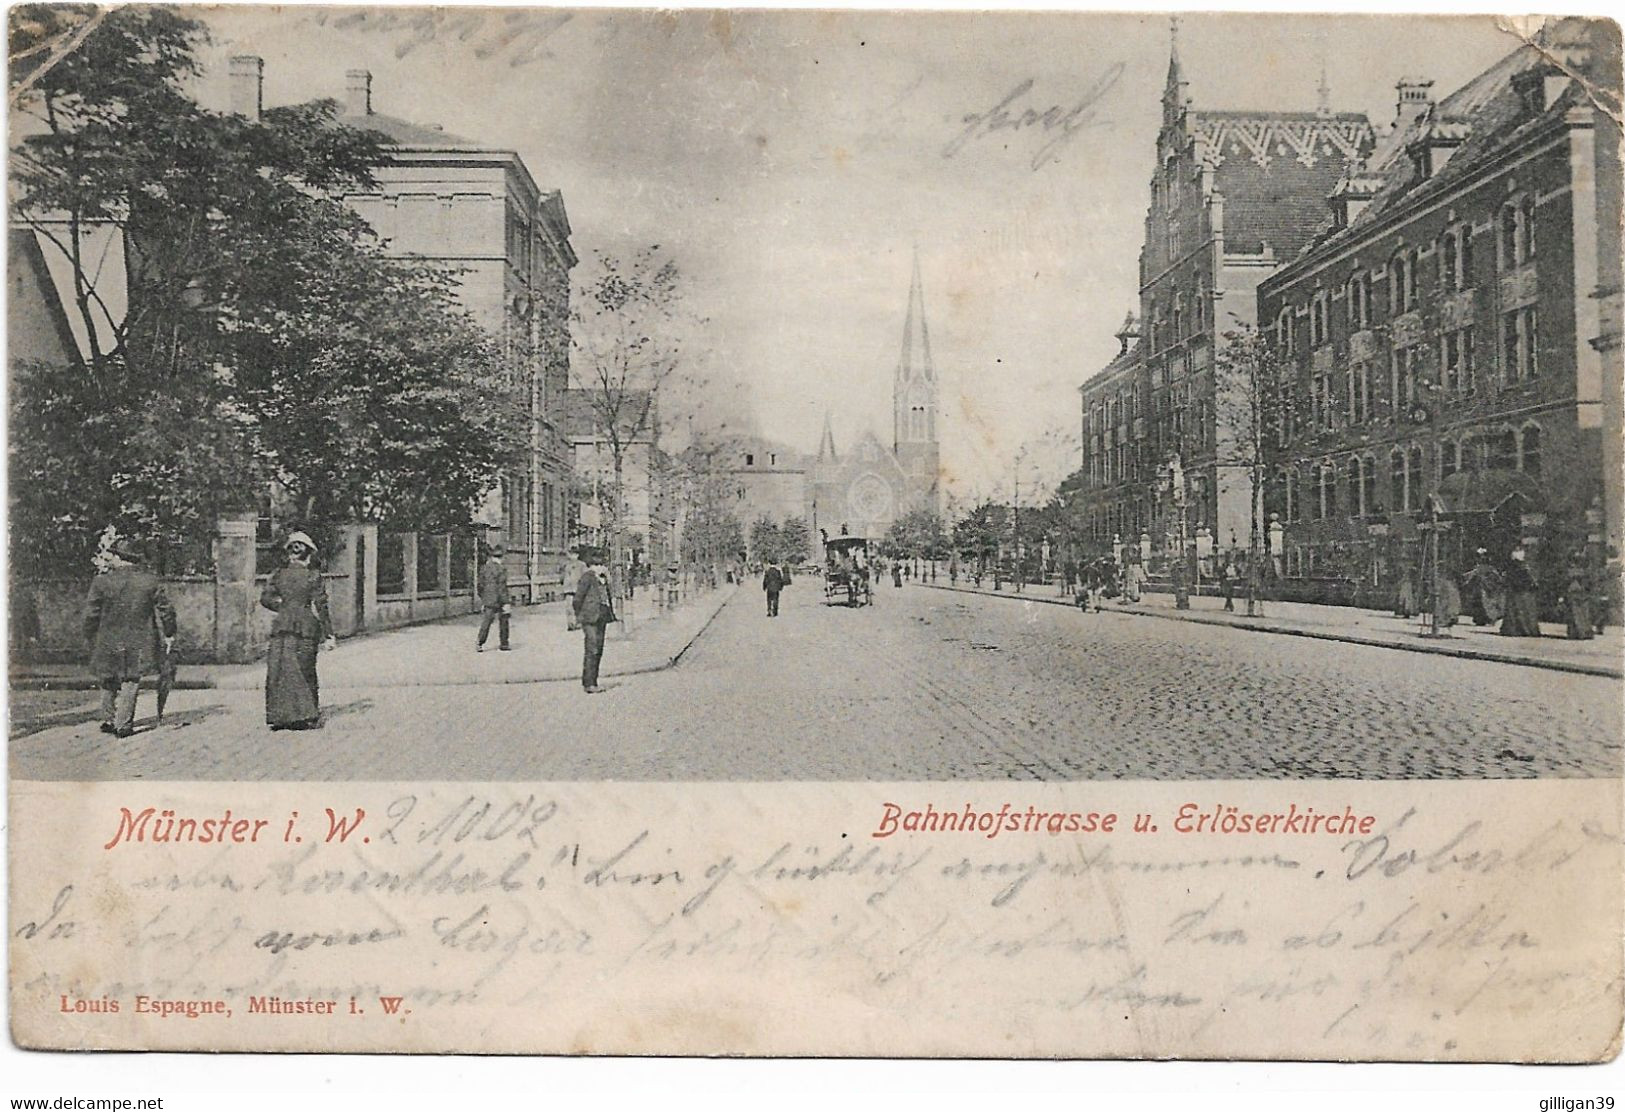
(916, 358)
(1173, 92)
(826, 443)
(914, 391)
(1323, 91)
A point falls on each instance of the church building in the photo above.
(863, 489)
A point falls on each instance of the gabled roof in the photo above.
(1481, 119)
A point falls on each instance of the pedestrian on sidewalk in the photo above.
(593, 613)
(301, 626)
(1406, 603)
(128, 622)
(896, 574)
(572, 575)
(1523, 612)
(1227, 584)
(953, 570)
(1485, 590)
(1578, 602)
(1133, 574)
(773, 583)
(495, 604)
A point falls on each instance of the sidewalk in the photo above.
(1601, 656)
(442, 653)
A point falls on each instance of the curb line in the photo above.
(1253, 626)
(86, 683)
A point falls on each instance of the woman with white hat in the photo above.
(296, 593)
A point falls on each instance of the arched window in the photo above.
(1356, 474)
(1456, 259)
(1529, 456)
(1449, 458)
(1516, 241)
(1402, 282)
(1504, 451)
(1178, 318)
(1283, 330)
(1396, 481)
(1326, 490)
(1413, 480)
(1199, 307)
(1359, 302)
(1318, 309)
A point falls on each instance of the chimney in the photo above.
(1415, 98)
(247, 85)
(357, 92)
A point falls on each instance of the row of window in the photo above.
(1515, 248)
(1409, 379)
(1179, 320)
(1327, 489)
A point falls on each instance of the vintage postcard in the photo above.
(839, 533)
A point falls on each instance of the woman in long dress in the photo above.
(1578, 605)
(303, 623)
(1522, 613)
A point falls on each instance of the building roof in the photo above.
(405, 133)
(1480, 120)
(1275, 171)
(1122, 363)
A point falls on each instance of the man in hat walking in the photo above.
(126, 614)
(773, 583)
(494, 602)
(594, 613)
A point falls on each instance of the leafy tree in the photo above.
(263, 334)
(795, 540)
(629, 334)
(1256, 402)
(766, 541)
(978, 534)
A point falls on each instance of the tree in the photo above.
(766, 542)
(1255, 402)
(979, 533)
(628, 336)
(709, 532)
(795, 540)
(263, 336)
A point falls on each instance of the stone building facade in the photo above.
(1233, 195)
(1451, 336)
(477, 208)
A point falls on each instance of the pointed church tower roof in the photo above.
(1173, 91)
(916, 358)
(826, 443)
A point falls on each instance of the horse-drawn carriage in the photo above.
(848, 571)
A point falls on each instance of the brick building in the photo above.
(477, 208)
(1233, 195)
(1454, 332)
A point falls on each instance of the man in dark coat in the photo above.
(494, 602)
(126, 614)
(773, 583)
(594, 612)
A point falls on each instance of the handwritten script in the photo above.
(691, 919)
(1056, 124)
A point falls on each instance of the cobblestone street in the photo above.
(927, 685)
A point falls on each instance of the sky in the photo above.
(791, 162)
